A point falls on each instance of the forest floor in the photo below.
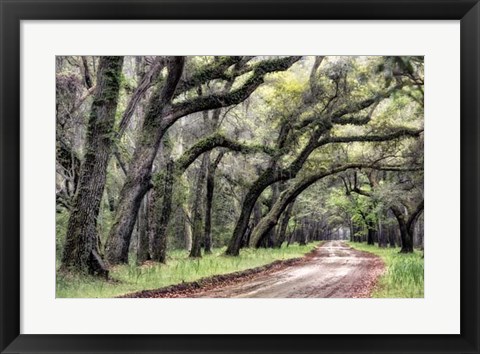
(331, 270)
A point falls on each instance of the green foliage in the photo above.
(179, 268)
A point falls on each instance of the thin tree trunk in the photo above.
(391, 237)
(187, 228)
(212, 168)
(81, 245)
(197, 228)
(143, 253)
(371, 234)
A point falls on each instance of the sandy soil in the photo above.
(332, 270)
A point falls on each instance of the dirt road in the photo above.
(333, 270)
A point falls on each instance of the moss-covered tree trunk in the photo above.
(268, 240)
(139, 172)
(81, 251)
(249, 201)
(162, 212)
(282, 230)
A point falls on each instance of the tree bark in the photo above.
(138, 175)
(86, 73)
(208, 242)
(371, 230)
(407, 242)
(407, 226)
(282, 230)
(162, 214)
(143, 243)
(268, 241)
(187, 228)
(81, 245)
(253, 193)
(197, 228)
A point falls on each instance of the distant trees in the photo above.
(405, 201)
(334, 108)
(223, 150)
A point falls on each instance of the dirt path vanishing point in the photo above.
(332, 270)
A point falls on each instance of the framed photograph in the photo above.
(236, 176)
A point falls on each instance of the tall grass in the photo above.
(404, 275)
(179, 268)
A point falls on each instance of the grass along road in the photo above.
(179, 268)
(404, 275)
(331, 270)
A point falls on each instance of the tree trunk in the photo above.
(143, 243)
(407, 242)
(207, 235)
(187, 228)
(253, 194)
(268, 240)
(302, 236)
(209, 202)
(81, 245)
(407, 227)
(197, 226)
(139, 172)
(391, 237)
(162, 214)
(282, 230)
(352, 231)
(370, 235)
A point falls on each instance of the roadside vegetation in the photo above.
(179, 268)
(404, 273)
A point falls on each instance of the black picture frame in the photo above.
(13, 11)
